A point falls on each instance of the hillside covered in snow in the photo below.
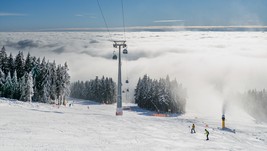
(91, 126)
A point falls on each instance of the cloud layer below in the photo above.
(211, 65)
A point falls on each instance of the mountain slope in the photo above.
(38, 126)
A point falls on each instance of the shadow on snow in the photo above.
(44, 111)
(145, 112)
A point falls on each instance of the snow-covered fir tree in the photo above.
(161, 96)
(8, 86)
(53, 86)
(37, 77)
(28, 63)
(11, 64)
(44, 83)
(20, 65)
(2, 56)
(30, 79)
(2, 81)
(100, 90)
(4, 62)
(16, 92)
(60, 85)
(66, 81)
(26, 87)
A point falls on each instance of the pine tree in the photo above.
(28, 63)
(37, 77)
(27, 87)
(60, 85)
(162, 96)
(2, 82)
(66, 81)
(53, 85)
(22, 84)
(137, 91)
(88, 90)
(102, 90)
(20, 65)
(113, 91)
(16, 87)
(11, 65)
(8, 86)
(4, 61)
(44, 83)
(108, 92)
(2, 56)
(30, 87)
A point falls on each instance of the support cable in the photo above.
(122, 9)
(104, 20)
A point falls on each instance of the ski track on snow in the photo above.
(42, 127)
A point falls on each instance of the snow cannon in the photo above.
(223, 121)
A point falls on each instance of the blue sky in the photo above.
(34, 15)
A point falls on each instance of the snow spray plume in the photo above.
(224, 107)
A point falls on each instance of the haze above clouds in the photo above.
(209, 64)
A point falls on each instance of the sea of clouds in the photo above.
(211, 65)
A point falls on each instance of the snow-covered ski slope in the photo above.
(43, 127)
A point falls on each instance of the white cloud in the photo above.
(11, 14)
(168, 21)
(86, 15)
(209, 64)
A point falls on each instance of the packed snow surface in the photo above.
(90, 126)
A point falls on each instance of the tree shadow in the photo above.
(145, 112)
(74, 101)
(45, 111)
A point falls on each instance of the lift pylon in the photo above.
(120, 44)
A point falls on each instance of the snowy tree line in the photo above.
(160, 95)
(255, 103)
(31, 79)
(100, 90)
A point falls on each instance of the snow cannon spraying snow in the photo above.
(223, 121)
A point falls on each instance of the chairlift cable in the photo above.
(104, 20)
(123, 22)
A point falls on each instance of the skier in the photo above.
(207, 134)
(193, 129)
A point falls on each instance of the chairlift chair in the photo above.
(127, 81)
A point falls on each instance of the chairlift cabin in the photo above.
(114, 57)
(125, 51)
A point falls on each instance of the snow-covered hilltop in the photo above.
(91, 126)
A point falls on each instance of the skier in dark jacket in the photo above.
(207, 134)
(193, 129)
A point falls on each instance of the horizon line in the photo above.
(152, 28)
